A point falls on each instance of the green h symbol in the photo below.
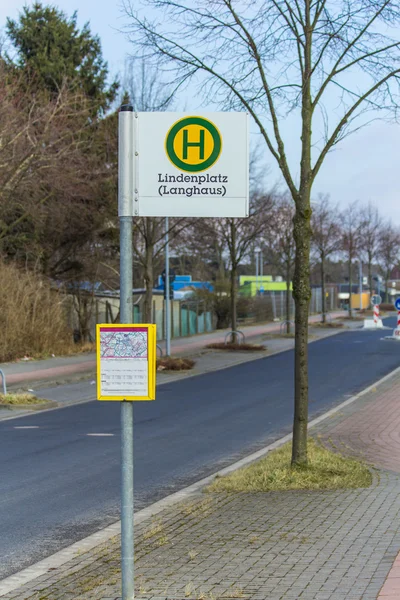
(199, 144)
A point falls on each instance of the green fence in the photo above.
(186, 319)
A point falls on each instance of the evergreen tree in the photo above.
(52, 50)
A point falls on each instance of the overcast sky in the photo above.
(363, 167)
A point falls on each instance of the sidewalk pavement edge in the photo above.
(58, 559)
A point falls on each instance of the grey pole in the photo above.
(125, 210)
(256, 271)
(360, 264)
(258, 261)
(273, 303)
(167, 300)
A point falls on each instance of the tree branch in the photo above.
(345, 118)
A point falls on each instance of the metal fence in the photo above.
(272, 305)
(187, 318)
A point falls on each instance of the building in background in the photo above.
(251, 285)
(183, 286)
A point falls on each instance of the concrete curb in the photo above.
(23, 577)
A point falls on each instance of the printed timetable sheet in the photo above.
(123, 362)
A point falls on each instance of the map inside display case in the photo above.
(126, 362)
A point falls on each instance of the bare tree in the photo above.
(280, 248)
(389, 252)
(40, 138)
(238, 235)
(144, 86)
(371, 234)
(201, 251)
(351, 226)
(58, 175)
(149, 246)
(326, 236)
(273, 58)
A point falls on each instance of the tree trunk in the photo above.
(387, 297)
(323, 288)
(148, 283)
(287, 299)
(221, 264)
(83, 307)
(370, 274)
(302, 295)
(350, 290)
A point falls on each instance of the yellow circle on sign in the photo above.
(193, 144)
(190, 153)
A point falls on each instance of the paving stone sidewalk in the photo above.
(329, 545)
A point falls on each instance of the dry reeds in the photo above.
(32, 319)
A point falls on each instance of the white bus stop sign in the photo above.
(191, 165)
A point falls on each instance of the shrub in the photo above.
(219, 301)
(236, 347)
(387, 306)
(32, 318)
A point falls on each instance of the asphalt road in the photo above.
(59, 481)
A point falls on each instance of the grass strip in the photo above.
(326, 470)
(328, 325)
(15, 399)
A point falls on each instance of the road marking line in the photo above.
(100, 434)
(13, 582)
(26, 427)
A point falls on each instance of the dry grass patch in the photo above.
(155, 528)
(197, 508)
(32, 317)
(236, 347)
(70, 349)
(15, 399)
(326, 470)
(236, 592)
(169, 363)
(189, 589)
(277, 336)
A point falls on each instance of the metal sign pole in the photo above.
(167, 286)
(125, 211)
(361, 283)
(256, 272)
